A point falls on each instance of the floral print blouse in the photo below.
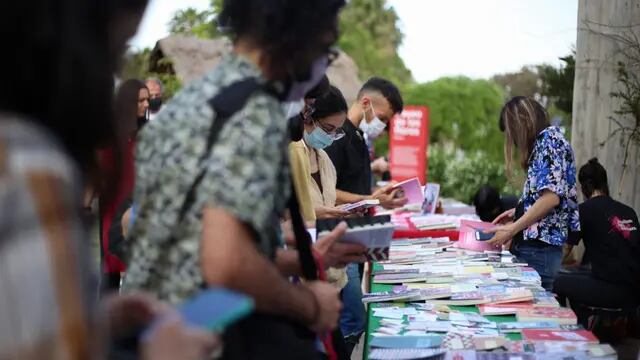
(552, 167)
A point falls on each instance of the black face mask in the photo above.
(155, 104)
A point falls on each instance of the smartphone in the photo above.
(483, 236)
(216, 308)
(212, 310)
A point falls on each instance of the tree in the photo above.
(463, 113)
(525, 82)
(370, 35)
(557, 83)
(202, 24)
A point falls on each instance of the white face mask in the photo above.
(374, 128)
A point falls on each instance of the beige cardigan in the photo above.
(327, 197)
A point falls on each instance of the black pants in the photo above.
(581, 287)
(268, 337)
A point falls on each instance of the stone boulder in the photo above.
(190, 58)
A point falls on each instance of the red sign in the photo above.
(409, 138)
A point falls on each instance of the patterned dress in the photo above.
(552, 167)
(247, 176)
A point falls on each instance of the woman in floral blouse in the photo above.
(547, 211)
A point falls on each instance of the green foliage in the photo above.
(201, 24)
(557, 83)
(370, 35)
(136, 66)
(461, 176)
(463, 113)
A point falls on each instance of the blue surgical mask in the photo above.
(318, 138)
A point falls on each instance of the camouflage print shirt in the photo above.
(247, 176)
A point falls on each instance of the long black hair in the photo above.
(126, 107)
(60, 66)
(330, 103)
(592, 177)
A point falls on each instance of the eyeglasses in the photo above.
(335, 134)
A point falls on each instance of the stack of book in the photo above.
(445, 302)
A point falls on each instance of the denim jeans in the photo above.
(353, 317)
(545, 260)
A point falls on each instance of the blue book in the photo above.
(407, 342)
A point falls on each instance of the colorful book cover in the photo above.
(560, 315)
(457, 341)
(412, 190)
(559, 335)
(407, 342)
(489, 343)
(405, 354)
(503, 309)
(431, 194)
(518, 326)
(473, 295)
(467, 238)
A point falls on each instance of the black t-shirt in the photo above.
(610, 232)
(507, 202)
(350, 156)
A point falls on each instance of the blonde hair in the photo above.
(521, 119)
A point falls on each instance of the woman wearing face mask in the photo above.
(322, 127)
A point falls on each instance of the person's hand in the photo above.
(505, 217)
(172, 339)
(502, 234)
(328, 304)
(387, 197)
(380, 165)
(128, 312)
(338, 254)
(328, 212)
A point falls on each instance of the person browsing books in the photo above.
(298, 158)
(229, 234)
(610, 232)
(377, 102)
(548, 209)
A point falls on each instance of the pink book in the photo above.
(467, 239)
(412, 190)
(559, 335)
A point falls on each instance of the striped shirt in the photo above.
(45, 284)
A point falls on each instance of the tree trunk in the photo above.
(597, 56)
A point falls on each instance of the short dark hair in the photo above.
(592, 177)
(385, 88)
(293, 33)
(486, 201)
(331, 103)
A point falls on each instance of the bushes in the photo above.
(460, 176)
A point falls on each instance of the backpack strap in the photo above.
(228, 101)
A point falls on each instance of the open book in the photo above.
(364, 204)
